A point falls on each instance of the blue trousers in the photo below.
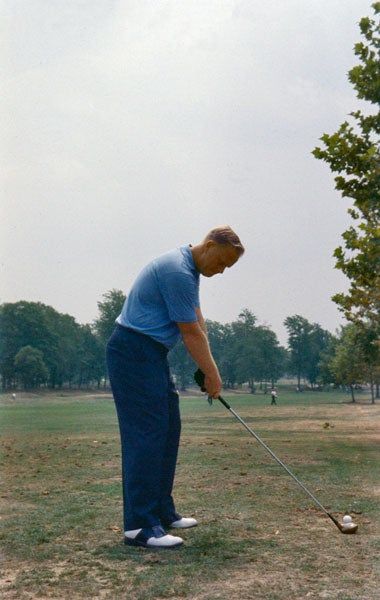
(147, 406)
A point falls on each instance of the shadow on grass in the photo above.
(200, 549)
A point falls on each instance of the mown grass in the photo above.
(259, 535)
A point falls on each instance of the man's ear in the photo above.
(209, 244)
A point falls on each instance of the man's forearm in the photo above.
(197, 345)
(196, 342)
(201, 320)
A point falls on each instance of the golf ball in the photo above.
(347, 519)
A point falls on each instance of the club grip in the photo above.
(199, 377)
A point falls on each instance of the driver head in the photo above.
(349, 528)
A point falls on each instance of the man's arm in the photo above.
(201, 320)
(195, 339)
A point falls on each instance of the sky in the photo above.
(131, 127)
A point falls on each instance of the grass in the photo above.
(259, 535)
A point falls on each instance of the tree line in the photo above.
(40, 347)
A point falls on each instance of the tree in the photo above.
(367, 341)
(182, 366)
(23, 324)
(348, 364)
(319, 341)
(109, 310)
(354, 153)
(261, 357)
(227, 363)
(104, 325)
(220, 340)
(307, 341)
(91, 365)
(244, 348)
(326, 375)
(69, 351)
(271, 357)
(64, 357)
(258, 355)
(299, 330)
(351, 358)
(30, 367)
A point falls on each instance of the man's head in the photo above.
(220, 249)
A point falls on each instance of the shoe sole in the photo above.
(182, 526)
(141, 544)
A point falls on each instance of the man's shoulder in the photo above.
(178, 260)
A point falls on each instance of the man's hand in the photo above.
(201, 379)
(213, 385)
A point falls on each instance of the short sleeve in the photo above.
(181, 296)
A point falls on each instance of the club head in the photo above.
(343, 527)
(348, 527)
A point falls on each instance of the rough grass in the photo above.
(259, 535)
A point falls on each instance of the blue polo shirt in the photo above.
(165, 293)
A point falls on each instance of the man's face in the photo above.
(217, 257)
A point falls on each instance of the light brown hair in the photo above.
(225, 235)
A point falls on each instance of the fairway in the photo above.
(259, 535)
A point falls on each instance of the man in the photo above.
(273, 396)
(162, 305)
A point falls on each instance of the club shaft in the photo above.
(263, 444)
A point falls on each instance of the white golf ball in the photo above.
(347, 519)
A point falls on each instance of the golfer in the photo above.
(163, 304)
(273, 396)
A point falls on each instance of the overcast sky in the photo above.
(134, 126)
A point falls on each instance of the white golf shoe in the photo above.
(151, 537)
(184, 523)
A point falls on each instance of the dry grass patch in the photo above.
(259, 536)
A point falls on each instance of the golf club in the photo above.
(349, 527)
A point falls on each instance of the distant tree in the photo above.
(351, 358)
(245, 348)
(227, 361)
(23, 324)
(66, 355)
(367, 340)
(348, 365)
(30, 367)
(109, 310)
(245, 323)
(62, 342)
(354, 153)
(182, 366)
(91, 365)
(319, 341)
(271, 357)
(299, 342)
(307, 341)
(216, 336)
(258, 355)
(326, 374)
(247, 357)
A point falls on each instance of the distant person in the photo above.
(273, 396)
(162, 305)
